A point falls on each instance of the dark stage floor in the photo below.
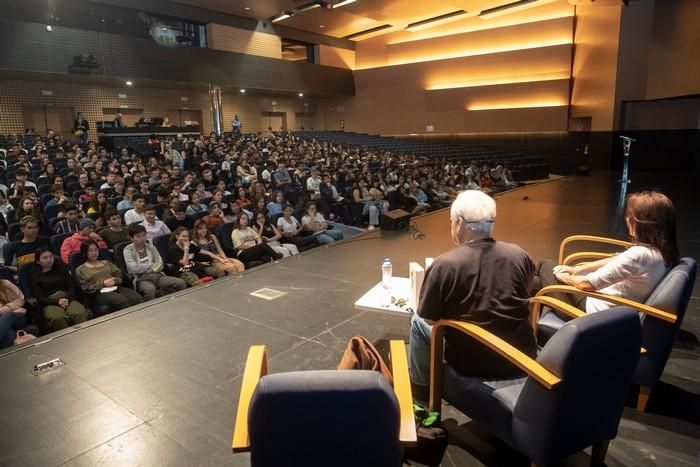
(158, 386)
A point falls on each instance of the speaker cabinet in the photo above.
(395, 220)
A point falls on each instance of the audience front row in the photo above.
(192, 258)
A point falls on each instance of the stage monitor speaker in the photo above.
(396, 219)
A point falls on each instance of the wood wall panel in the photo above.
(230, 39)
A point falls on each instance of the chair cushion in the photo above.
(491, 402)
(322, 418)
(547, 325)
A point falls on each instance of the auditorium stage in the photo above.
(157, 385)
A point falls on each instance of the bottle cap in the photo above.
(386, 260)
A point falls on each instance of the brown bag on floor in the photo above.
(360, 354)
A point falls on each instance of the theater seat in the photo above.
(344, 418)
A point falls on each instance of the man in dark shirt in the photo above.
(482, 281)
(179, 218)
(17, 254)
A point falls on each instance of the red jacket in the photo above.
(72, 245)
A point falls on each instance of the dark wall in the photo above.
(655, 150)
(29, 47)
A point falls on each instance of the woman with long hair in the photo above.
(27, 207)
(54, 289)
(249, 244)
(104, 279)
(210, 250)
(272, 236)
(97, 207)
(634, 273)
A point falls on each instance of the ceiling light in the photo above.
(512, 8)
(285, 15)
(322, 26)
(242, 91)
(49, 28)
(246, 8)
(307, 7)
(369, 32)
(129, 83)
(301, 94)
(431, 22)
(343, 3)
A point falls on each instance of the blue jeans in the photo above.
(329, 236)
(10, 323)
(419, 351)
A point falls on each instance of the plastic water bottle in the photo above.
(386, 273)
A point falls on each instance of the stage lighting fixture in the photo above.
(129, 83)
(301, 94)
(242, 91)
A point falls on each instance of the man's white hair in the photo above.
(476, 209)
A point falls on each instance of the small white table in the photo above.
(379, 299)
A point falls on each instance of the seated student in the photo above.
(183, 254)
(73, 243)
(215, 218)
(103, 278)
(135, 214)
(272, 236)
(195, 207)
(88, 196)
(179, 218)
(633, 274)
(12, 313)
(97, 207)
(53, 287)
(249, 244)
(276, 206)
(145, 267)
(27, 207)
(71, 219)
(5, 205)
(291, 230)
(314, 222)
(59, 196)
(115, 232)
(482, 281)
(126, 202)
(154, 226)
(210, 250)
(17, 254)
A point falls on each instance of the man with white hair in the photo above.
(481, 281)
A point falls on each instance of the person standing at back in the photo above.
(481, 281)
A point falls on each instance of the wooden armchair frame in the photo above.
(256, 368)
(437, 374)
(588, 254)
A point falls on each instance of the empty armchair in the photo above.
(571, 397)
(322, 418)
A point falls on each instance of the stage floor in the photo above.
(158, 385)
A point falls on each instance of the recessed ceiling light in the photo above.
(322, 26)
(242, 91)
(301, 94)
(247, 8)
(129, 83)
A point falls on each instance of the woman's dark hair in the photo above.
(85, 247)
(309, 204)
(652, 221)
(267, 219)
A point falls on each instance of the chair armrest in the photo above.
(575, 257)
(590, 238)
(641, 307)
(402, 388)
(255, 368)
(530, 366)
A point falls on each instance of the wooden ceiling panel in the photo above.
(336, 23)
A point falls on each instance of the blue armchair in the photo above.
(571, 397)
(322, 418)
(662, 315)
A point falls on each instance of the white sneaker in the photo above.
(371, 227)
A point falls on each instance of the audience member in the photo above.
(73, 243)
(145, 266)
(103, 279)
(179, 218)
(135, 214)
(17, 254)
(210, 251)
(248, 243)
(272, 236)
(12, 313)
(53, 287)
(182, 254)
(314, 222)
(70, 222)
(154, 226)
(115, 232)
